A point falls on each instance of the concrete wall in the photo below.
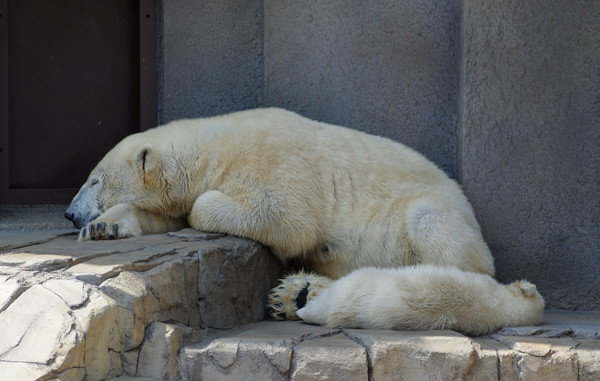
(211, 57)
(504, 95)
(530, 141)
(386, 67)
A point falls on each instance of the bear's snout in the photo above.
(79, 220)
(84, 208)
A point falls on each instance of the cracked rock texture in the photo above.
(297, 351)
(99, 310)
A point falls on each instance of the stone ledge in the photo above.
(162, 307)
(103, 309)
(297, 351)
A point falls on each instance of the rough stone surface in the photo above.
(136, 309)
(438, 355)
(228, 287)
(296, 351)
(334, 357)
(261, 351)
(107, 309)
(531, 143)
(158, 353)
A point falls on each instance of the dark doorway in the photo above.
(75, 78)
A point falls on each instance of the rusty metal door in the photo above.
(75, 78)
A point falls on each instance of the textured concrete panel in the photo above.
(385, 67)
(211, 57)
(531, 141)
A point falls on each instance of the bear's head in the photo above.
(129, 173)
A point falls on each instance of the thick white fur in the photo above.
(424, 297)
(333, 198)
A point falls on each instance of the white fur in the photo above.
(424, 297)
(333, 198)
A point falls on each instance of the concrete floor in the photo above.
(33, 217)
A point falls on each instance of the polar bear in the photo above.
(332, 199)
(424, 297)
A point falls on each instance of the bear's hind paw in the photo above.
(527, 289)
(293, 292)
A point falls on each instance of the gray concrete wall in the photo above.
(504, 95)
(530, 141)
(385, 67)
(211, 58)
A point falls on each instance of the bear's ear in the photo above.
(146, 158)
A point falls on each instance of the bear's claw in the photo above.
(101, 230)
(293, 292)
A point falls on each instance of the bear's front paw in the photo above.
(293, 292)
(104, 229)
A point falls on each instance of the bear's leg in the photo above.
(293, 292)
(124, 220)
(261, 216)
(445, 238)
(264, 219)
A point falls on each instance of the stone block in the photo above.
(233, 283)
(588, 357)
(9, 290)
(540, 358)
(329, 358)
(158, 354)
(95, 309)
(426, 355)
(260, 351)
(98, 318)
(40, 319)
(39, 336)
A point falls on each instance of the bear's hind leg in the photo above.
(443, 237)
(293, 292)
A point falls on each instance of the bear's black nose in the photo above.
(69, 216)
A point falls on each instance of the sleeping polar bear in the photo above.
(331, 198)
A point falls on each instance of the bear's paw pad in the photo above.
(293, 292)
